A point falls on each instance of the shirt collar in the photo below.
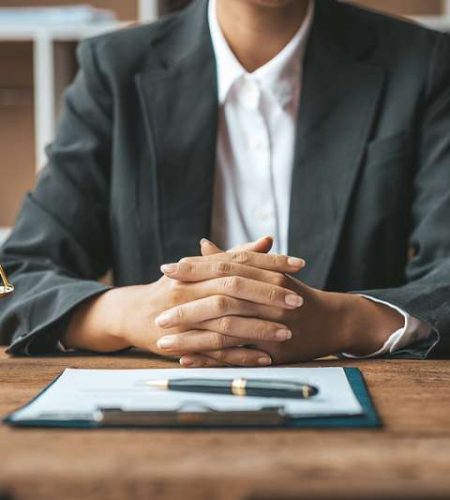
(280, 76)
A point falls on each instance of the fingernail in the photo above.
(204, 241)
(169, 268)
(293, 300)
(164, 320)
(295, 262)
(186, 361)
(283, 334)
(264, 361)
(166, 342)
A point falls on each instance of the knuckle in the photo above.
(274, 260)
(244, 360)
(272, 294)
(225, 325)
(223, 268)
(280, 280)
(221, 356)
(221, 304)
(241, 257)
(185, 267)
(179, 313)
(232, 284)
(228, 284)
(263, 331)
(218, 341)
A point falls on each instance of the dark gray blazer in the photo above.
(129, 180)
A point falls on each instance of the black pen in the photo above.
(239, 387)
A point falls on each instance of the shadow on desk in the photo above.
(154, 359)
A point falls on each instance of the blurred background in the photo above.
(37, 61)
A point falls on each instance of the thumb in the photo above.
(209, 248)
(263, 245)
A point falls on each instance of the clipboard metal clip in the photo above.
(205, 417)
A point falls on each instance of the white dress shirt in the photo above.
(255, 152)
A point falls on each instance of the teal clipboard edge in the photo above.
(75, 424)
(369, 419)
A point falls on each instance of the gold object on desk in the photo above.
(6, 288)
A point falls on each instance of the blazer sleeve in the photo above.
(61, 242)
(426, 294)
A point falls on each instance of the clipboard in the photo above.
(271, 417)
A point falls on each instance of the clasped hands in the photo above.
(235, 308)
(244, 310)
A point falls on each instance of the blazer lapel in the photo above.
(338, 103)
(179, 100)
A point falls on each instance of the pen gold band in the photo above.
(238, 387)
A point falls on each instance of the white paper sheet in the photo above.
(78, 393)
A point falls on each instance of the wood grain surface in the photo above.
(408, 458)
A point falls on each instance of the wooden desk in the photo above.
(409, 458)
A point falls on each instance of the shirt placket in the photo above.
(261, 196)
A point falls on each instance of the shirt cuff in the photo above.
(61, 348)
(413, 331)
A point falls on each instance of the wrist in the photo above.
(97, 324)
(340, 320)
(367, 325)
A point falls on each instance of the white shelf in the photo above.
(53, 69)
(72, 33)
(44, 38)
